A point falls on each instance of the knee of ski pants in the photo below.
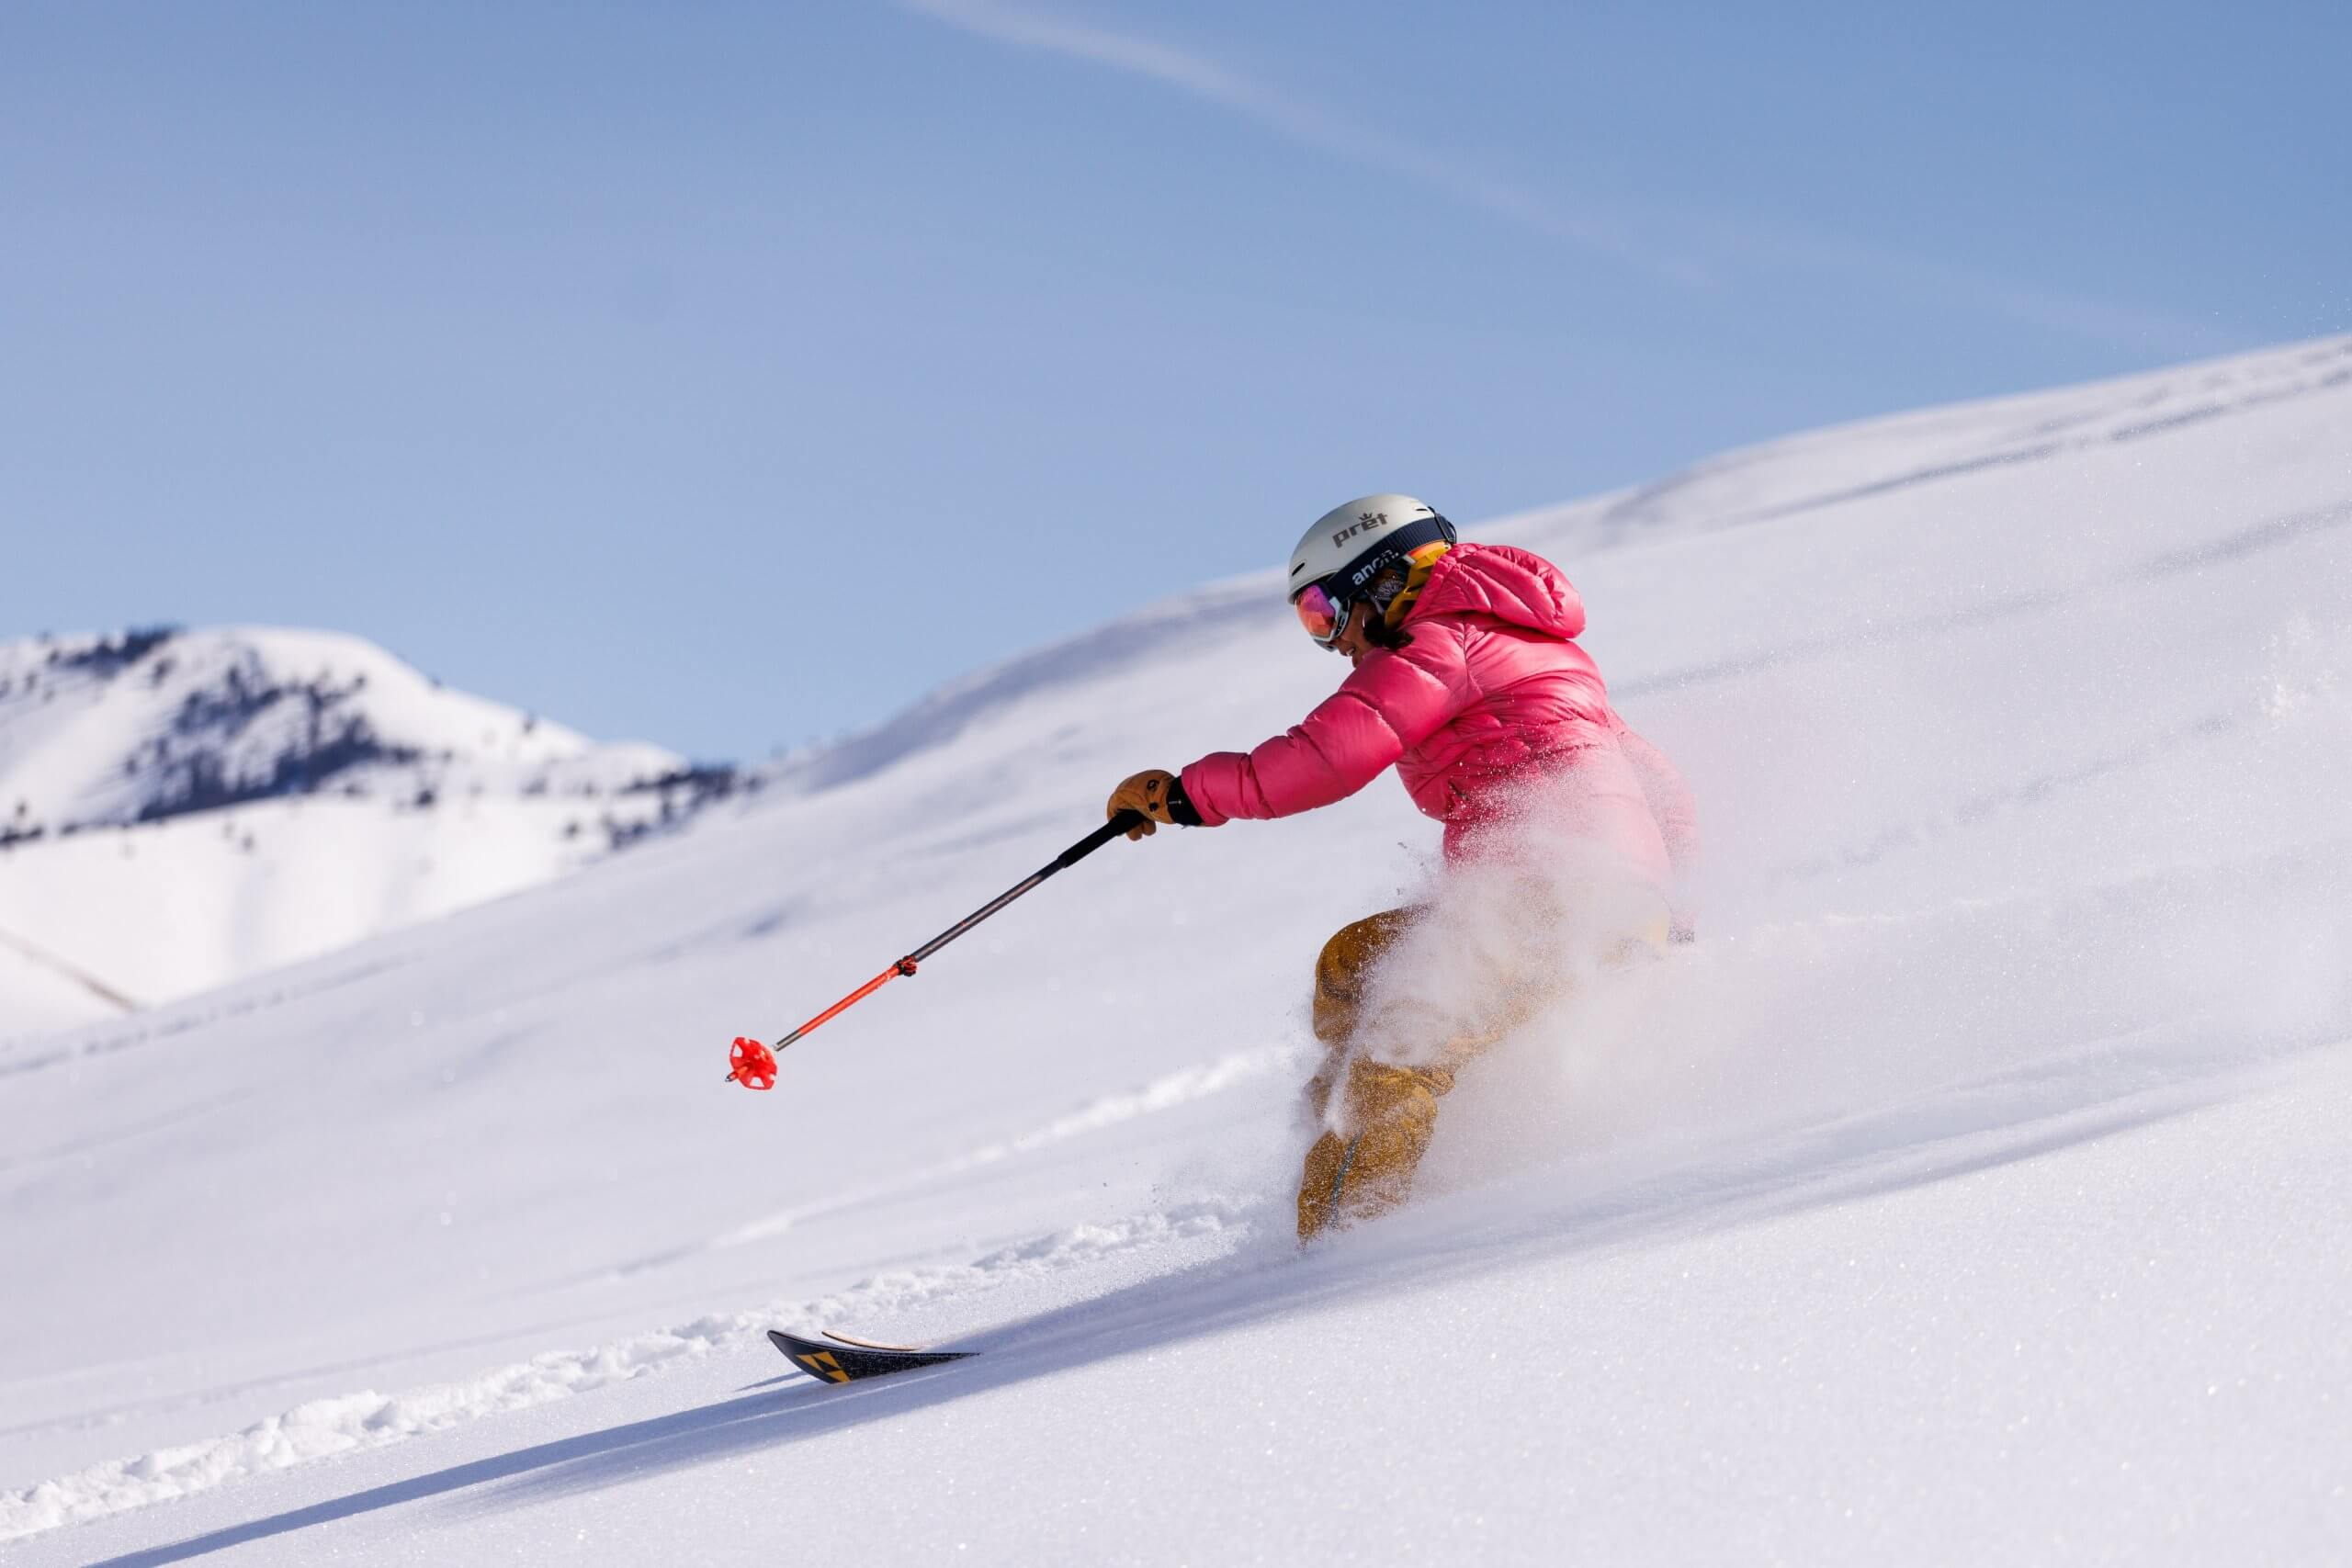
(1342, 970)
(1345, 967)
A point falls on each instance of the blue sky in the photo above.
(727, 374)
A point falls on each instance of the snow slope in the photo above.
(1973, 1191)
(181, 808)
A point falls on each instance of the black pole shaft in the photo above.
(1126, 821)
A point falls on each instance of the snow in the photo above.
(1974, 1191)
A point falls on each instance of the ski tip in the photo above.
(848, 1360)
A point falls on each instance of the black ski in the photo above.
(846, 1361)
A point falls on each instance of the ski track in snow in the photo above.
(1164, 1093)
(71, 972)
(320, 1428)
(319, 977)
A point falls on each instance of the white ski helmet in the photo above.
(1350, 544)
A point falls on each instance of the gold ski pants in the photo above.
(1388, 1112)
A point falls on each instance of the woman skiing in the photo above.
(1565, 833)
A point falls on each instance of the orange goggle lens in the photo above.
(1321, 615)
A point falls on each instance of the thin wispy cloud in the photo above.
(1720, 249)
(1308, 124)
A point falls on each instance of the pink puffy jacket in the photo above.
(1491, 689)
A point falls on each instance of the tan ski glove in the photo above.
(1159, 795)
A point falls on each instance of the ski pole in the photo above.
(752, 1064)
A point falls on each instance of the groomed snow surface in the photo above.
(1974, 1191)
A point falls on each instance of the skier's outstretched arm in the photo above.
(1391, 703)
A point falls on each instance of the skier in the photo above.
(1568, 836)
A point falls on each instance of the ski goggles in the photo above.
(1321, 615)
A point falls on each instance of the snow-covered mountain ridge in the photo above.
(1973, 1190)
(147, 725)
(178, 809)
(1871, 459)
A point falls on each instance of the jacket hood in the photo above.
(1511, 585)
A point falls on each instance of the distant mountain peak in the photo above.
(158, 722)
(181, 808)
